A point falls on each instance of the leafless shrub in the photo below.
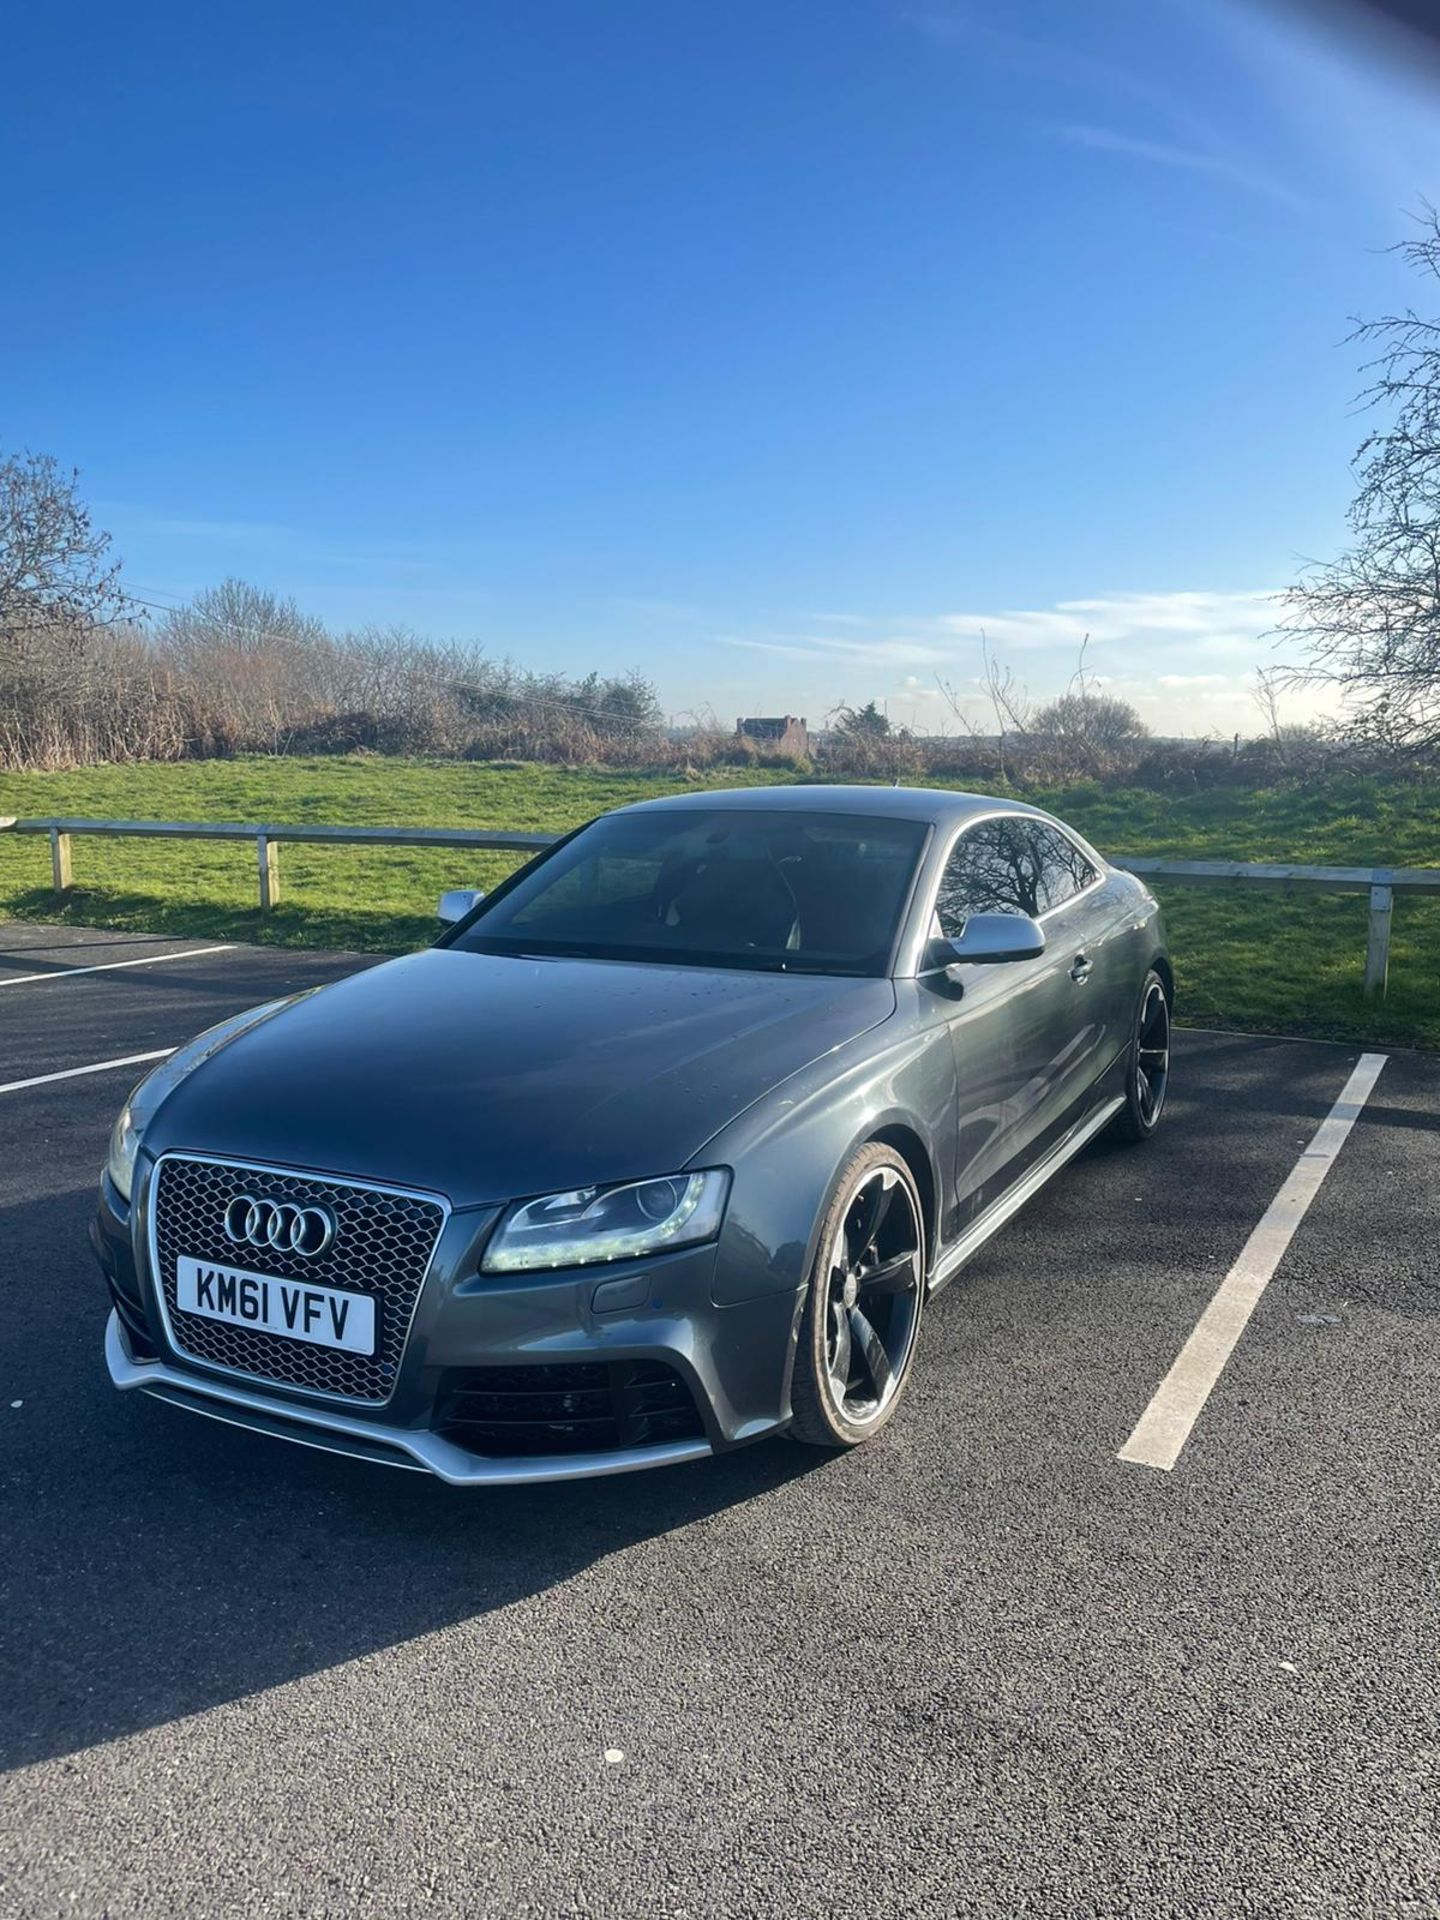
(241, 670)
(894, 756)
(73, 694)
(1085, 733)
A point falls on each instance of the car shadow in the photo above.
(158, 1564)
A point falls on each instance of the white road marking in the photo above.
(1180, 1398)
(100, 1066)
(110, 966)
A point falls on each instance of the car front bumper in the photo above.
(734, 1360)
(371, 1440)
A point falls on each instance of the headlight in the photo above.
(124, 1145)
(139, 1110)
(595, 1224)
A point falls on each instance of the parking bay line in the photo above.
(1179, 1400)
(111, 966)
(73, 1073)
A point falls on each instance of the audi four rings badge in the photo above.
(280, 1224)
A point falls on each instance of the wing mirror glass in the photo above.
(986, 940)
(458, 901)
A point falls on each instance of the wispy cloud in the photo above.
(1185, 658)
(1361, 112)
(1188, 616)
(1197, 621)
(1184, 159)
(1058, 62)
(1145, 120)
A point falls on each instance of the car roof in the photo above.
(937, 806)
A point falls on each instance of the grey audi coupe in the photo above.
(663, 1146)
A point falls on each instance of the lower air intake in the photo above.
(584, 1406)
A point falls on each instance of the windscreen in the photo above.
(813, 892)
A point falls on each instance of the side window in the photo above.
(991, 870)
(1064, 870)
(1009, 865)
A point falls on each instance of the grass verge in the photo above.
(1249, 957)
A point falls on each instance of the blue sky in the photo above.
(776, 347)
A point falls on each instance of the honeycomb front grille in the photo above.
(383, 1244)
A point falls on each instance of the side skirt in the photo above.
(1011, 1201)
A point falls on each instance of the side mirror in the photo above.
(458, 901)
(987, 939)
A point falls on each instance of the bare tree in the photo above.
(54, 573)
(1269, 685)
(1009, 698)
(1085, 729)
(1089, 718)
(1369, 621)
(253, 660)
(70, 660)
(1009, 702)
(236, 617)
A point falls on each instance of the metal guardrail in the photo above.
(267, 840)
(1381, 883)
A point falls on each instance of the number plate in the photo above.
(324, 1316)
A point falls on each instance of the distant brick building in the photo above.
(783, 734)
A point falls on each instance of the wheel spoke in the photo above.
(872, 1352)
(897, 1275)
(839, 1359)
(876, 1204)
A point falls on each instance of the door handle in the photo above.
(1080, 971)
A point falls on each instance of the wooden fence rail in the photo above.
(1381, 883)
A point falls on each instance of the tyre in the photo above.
(1147, 1076)
(862, 1316)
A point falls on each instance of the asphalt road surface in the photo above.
(983, 1666)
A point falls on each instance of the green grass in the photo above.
(1250, 958)
(374, 899)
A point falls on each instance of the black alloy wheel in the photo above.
(867, 1293)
